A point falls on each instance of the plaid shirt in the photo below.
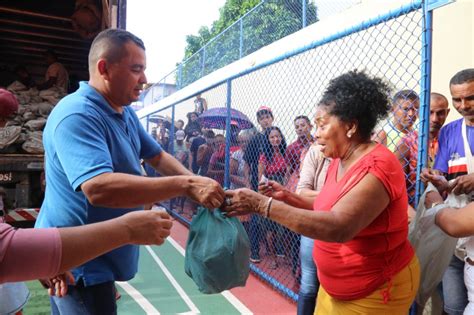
(411, 158)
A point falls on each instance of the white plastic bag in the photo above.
(433, 247)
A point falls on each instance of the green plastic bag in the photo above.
(217, 252)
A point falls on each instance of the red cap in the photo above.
(266, 108)
(8, 103)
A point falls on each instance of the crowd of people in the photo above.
(346, 189)
(298, 171)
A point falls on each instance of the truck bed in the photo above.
(20, 178)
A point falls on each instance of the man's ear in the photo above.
(102, 67)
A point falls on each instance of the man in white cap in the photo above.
(180, 151)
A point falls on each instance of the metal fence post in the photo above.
(423, 137)
(241, 42)
(227, 138)
(180, 76)
(303, 15)
(203, 64)
(171, 149)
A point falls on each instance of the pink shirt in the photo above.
(27, 254)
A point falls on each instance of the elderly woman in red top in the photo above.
(365, 263)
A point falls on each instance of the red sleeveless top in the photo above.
(354, 269)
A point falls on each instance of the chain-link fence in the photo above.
(269, 21)
(222, 136)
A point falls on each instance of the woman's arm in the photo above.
(261, 169)
(279, 192)
(345, 220)
(309, 193)
(190, 166)
(138, 227)
(246, 175)
(54, 251)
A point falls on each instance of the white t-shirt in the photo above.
(58, 71)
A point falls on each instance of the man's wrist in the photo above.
(186, 182)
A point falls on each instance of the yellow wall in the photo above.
(453, 47)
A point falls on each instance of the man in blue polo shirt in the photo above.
(452, 163)
(94, 142)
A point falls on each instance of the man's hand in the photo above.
(433, 176)
(147, 227)
(57, 286)
(432, 198)
(206, 191)
(462, 185)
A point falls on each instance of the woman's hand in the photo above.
(273, 189)
(147, 227)
(243, 201)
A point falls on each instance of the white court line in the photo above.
(138, 297)
(227, 294)
(173, 281)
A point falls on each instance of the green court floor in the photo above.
(160, 287)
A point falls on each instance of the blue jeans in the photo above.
(309, 278)
(454, 290)
(91, 300)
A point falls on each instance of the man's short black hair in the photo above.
(108, 45)
(404, 95)
(302, 117)
(208, 134)
(262, 112)
(440, 96)
(463, 76)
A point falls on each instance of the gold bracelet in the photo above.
(267, 210)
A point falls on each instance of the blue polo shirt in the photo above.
(85, 137)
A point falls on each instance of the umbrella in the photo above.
(158, 119)
(215, 118)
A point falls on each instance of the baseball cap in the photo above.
(8, 103)
(180, 135)
(264, 110)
